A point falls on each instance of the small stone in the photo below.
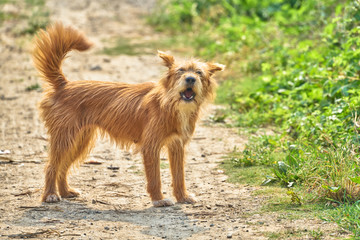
(106, 228)
(211, 225)
(203, 155)
(229, 235)
(208, 206)
(96, 68)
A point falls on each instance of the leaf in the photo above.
(294, 197)
(331, 189)
(355, 180)
(268, 180)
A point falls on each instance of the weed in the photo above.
(316, 234)
(33, 87)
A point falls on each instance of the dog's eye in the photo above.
(181, 70)
(199, 72)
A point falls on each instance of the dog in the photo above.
(146, 116)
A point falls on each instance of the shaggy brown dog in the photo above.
(147, 116)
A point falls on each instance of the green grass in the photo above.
(253, 175)
(133, 47)
(164, 165)
(123, 46)
(33, 12)
(295, 67)
(33, 87)
(346, 216)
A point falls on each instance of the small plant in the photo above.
(33, 87)
(316, 234)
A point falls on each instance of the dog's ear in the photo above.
(168, 59)
(214, 67)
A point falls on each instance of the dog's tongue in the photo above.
(188, 93)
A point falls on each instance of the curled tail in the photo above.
(51, 47)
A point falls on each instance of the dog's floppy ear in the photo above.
(214, 67)
(168, 59)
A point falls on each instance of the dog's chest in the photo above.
(186, 122)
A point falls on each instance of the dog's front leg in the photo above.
(176, 155)
(152, 170)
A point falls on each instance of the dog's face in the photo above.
(189, 82)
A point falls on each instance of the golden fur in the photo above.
(148, 116)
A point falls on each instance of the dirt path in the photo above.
(114, 203)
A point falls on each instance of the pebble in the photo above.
(229, 235)
(96, 68)
(211, 225)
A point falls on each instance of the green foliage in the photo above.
(33, 12)
(38, 19)
(296, 66)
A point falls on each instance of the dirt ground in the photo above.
(114, 203)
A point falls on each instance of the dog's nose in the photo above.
(190, 80)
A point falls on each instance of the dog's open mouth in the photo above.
(188, 94)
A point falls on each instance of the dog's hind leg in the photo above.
(66, 146)
(176, 157)
(57, 155)
(82, 145)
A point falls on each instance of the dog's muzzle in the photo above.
(188, 94)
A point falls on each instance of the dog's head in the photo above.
(189, 82)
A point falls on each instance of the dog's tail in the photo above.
(51, 47)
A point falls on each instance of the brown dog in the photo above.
(147, 116)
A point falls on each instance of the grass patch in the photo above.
(33, 87)
(38, 19)
(164, 165)
(33, 12)
(123, 46)
(347, 216)
(133, 47)
(253, 175)
(298, 234)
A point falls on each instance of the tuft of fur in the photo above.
(148, 116)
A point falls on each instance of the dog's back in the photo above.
(113, 107)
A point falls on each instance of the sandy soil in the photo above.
(114, 203)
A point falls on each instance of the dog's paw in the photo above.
(188, 199)
(163, 203)
(71, 193)
(51, 198)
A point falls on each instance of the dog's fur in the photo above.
(147, 116)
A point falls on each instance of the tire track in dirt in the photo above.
(114, 203)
